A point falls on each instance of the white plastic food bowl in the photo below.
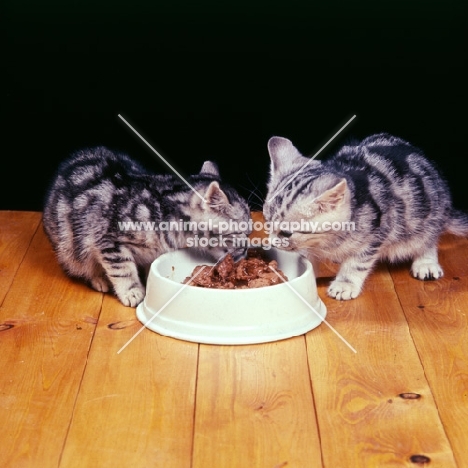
(230, 316)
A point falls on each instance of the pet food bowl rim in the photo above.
(219, 333)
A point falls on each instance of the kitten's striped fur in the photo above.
(97, 188)
(397, 199)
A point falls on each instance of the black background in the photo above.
(215, 80)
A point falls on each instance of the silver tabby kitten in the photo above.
(96, 189)
(395, 197)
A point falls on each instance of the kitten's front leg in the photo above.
(426, 266)
(350, 278)
(121, 270)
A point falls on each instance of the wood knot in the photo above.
(120, 325)
(6, 326)
(421, 459)
(409, 396)
(281, 465)
(420, 307)
(456, 278)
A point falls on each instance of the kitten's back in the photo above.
(103, 210)
(395, 197)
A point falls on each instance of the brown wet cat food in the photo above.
(251, 272)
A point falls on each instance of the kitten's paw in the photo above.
(133, 296)
(100, 284)
(426, 270)
(343, 291)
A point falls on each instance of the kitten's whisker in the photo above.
(259, 198)
(253, 193)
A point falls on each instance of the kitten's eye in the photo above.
(285, 234)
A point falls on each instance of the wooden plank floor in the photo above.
(69, 399)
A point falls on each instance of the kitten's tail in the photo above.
(458, 223)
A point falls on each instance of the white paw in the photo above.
(100, 284)
(132, 297)
(426, 270)
(343, 291)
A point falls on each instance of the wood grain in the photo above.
(362, 419)
(255, 407)
(16, 232)
(437, 312)
(67, 399)
(135, 409)
(51, 322)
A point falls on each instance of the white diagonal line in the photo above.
(168, 302)
(311, 159)
(160, 310)
(313, 310)
(172, 168)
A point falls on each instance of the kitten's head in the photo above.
(223, 210)
(305, 203)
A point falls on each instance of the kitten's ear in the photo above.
(282, 152)
(215, 198)
(209, 168)
(332, 198)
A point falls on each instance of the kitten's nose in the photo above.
(284, 234)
